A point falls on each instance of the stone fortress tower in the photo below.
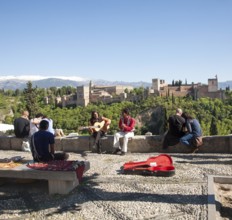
(213, 85)
(83, 94)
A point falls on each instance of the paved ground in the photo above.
(106, 193)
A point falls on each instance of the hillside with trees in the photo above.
(214, 115)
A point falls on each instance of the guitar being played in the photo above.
(98, 128)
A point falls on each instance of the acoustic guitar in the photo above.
(97, 127)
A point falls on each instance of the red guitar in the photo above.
(160, 166)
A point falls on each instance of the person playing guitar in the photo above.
(98, 128)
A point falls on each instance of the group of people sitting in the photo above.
(39, 132)
(39, 135)
(183, 128)
(100, 124)
(25, 127)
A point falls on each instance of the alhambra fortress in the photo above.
(111, 94)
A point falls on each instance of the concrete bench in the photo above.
(60, 182)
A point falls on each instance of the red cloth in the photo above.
(60, 165)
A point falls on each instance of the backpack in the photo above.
(197, 141)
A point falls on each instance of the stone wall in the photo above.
(137, 144)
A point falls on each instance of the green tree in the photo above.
(213, 127)
(31, 100)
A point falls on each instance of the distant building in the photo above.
(113, 94)
(93, 94)
(159, 87)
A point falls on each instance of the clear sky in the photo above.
(123, 40)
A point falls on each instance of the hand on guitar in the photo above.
(96, 127)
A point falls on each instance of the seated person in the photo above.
(43, 145)
(34, 123)
(100, 132)
(22, 125)
(193, 128)
(176, 129)
(59, 132)
(126, 125)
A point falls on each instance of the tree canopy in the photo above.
(214, 115)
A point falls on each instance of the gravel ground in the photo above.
(106, 193)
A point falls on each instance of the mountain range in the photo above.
(13, 84)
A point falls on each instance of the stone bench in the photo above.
(60, 182)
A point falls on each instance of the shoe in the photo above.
(119, 152)
(116, 151)
(99, 151)
(123, 153)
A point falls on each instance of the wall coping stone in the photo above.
(136, 144)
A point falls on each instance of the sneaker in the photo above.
(123, 153)
(116, 151)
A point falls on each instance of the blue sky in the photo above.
(123, 40)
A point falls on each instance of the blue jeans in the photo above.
(186, 139)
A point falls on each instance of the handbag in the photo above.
(197, 141)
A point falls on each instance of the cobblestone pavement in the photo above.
(106, 193)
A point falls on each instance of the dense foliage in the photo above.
(214, 115)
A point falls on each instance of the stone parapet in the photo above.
(137, 144)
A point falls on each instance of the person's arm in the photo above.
(27, 127)
(52, 143)
(35, 121)
(188, 125)
(107, 121)
(131, 126)
(120, 124)
(52, 148)
(91, 130)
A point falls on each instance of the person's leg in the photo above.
(127, 135)
(94, 139)
(98, 141)
(116, 144)
(186, 139)
(165, 141)
(116, 139)
(60, 156)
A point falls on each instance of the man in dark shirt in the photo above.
(22, 125)
(175, 132)
(43, 145)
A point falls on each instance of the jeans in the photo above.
(186, 139)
